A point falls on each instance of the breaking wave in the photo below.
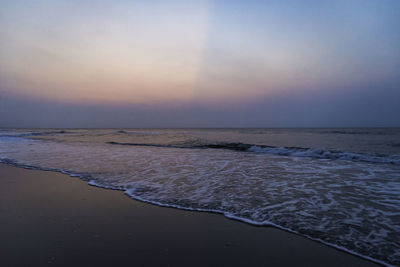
(320, 153)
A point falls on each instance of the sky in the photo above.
(199, 63)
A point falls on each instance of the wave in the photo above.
(363, 131)
(15, 134)
(358, 132)
(192, 145)
(139, 133)
(319, 153)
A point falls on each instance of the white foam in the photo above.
(322, 153)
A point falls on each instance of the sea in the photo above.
(338, 186)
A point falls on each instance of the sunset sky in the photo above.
(199, 63)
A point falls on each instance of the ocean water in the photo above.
(338, 186)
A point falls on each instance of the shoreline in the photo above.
(52, 218)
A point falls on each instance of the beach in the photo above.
(49, 218)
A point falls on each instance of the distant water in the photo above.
(337, 186)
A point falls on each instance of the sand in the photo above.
(48, 218)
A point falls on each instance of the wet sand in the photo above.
(48, 218)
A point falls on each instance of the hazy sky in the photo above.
(205, 63)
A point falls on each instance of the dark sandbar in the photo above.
(48, 218)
